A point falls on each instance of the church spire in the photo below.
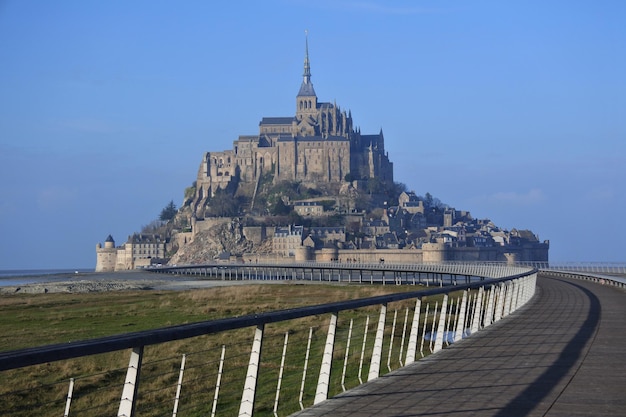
(306, 89)
(307, 64)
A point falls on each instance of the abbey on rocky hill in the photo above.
(312, 188)
(318, 145)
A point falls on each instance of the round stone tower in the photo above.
(434, 252)
(106, 256)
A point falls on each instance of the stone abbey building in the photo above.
(317, 145)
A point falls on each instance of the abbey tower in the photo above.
(317, 145)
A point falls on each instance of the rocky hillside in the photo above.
(211, 243)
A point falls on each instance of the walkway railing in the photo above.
(615, 281)
(297, 357)
(379, 273)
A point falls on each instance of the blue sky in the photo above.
(513, 110)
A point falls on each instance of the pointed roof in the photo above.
(306, 89)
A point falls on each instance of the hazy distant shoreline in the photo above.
(15, 273)
(83, 282)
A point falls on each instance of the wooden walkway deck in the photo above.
(564, 354)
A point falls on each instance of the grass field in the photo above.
(33, 320)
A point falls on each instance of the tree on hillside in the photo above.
(190, 193)
(428, 200)
(168, 212)
(374, 185)
(431, 202)
(278, 208)
(223, 204)
(393, 191)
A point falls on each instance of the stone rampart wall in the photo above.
(208, 223)
(255, 234)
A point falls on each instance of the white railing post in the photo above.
(530, 287)
(424, 330)
(306, 365)
(483, 307)
(323, 382)
(533, 287)
(68, 402)
(460, 323)
(179, 386)
(280, 374)
(441, 328)
(406, 320)
(131, 384)
(412, 346)
(490, 301)
(219, 380)
(367, 322)
(519, 285)
(432, 328)
(525, 290)
(345, 360)
(510, 289)
(378, 345)
(393, 333)
(249, 389)
(455, 306)
(499, 303)
(477, 311)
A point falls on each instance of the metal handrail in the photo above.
(598, 278)
(494, 299)
(61, 351)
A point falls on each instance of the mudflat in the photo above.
(110, 281)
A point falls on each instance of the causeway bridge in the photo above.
(472, 339)
(562, 354)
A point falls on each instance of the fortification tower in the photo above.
(106, 256)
